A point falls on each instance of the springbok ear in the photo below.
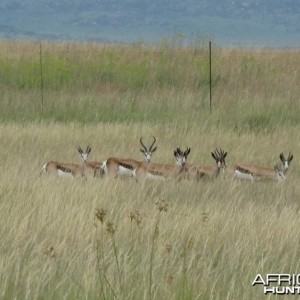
(291, 158)
(88, 150)
(154, 149)
(80, 150)
(225, 154)
(281, 156)
(142, 150)
(176, 152)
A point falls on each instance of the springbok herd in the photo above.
(144, 170)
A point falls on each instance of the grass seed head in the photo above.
(110, 228)
(100, 214)
(156, 232)
(169, 278)
(189, 243)
(162, 205)
(50, 252)
(168, 247)
(205, 216)
(135, 216)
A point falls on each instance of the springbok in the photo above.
(116, 166)
(92, 168)
(162, 171)
(71, 170)
(199, 172)
(253, 172)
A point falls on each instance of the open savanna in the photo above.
(105, 238)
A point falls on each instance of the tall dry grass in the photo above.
(118, 239)
(62, 238)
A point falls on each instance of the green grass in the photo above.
(91, 83)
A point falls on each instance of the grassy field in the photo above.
(111, 238)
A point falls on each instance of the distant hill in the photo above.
(272, 23)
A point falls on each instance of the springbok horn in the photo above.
(88, 149)
(141, 141)
(154, 140)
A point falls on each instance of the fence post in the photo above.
(210, 80)
(42, 80)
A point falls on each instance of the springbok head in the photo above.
(286, 161)
(219, 156)
(148, 152)
(181, 157)
(85, 154)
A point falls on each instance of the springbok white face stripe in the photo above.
(84, 157)
(148, 156)
(180, 161)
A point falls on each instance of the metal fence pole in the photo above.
(42, 80)
(210, 79)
